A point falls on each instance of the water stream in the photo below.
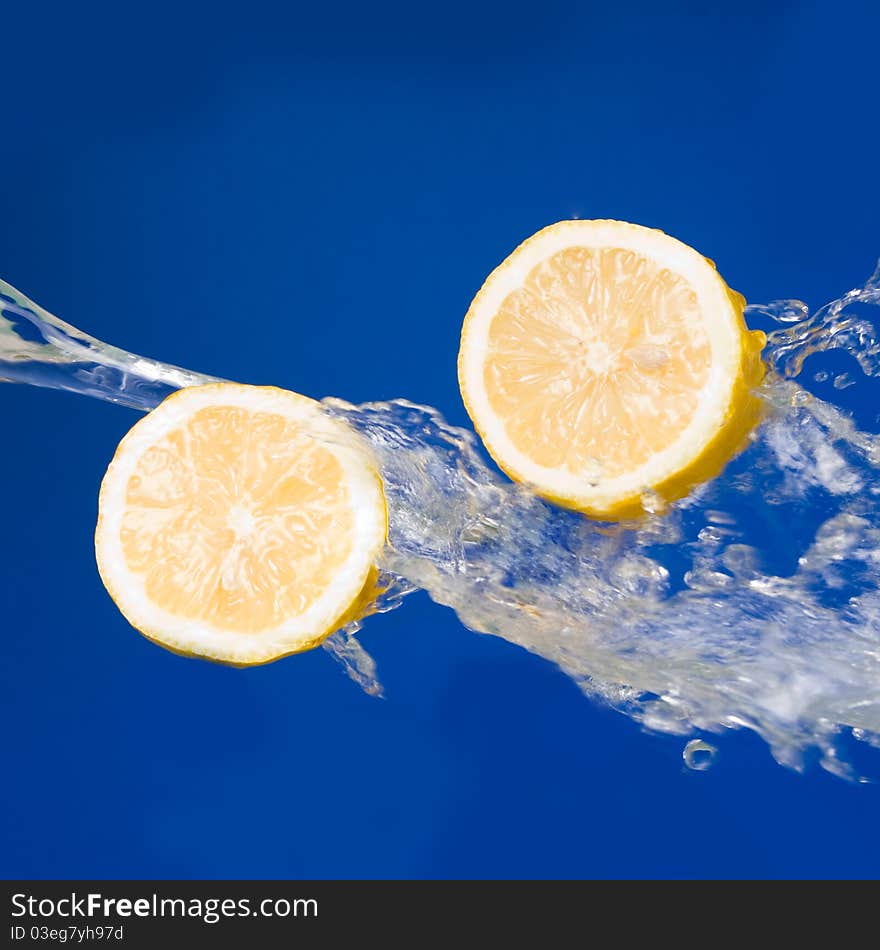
(753, 603)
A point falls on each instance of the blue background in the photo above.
(310, 197)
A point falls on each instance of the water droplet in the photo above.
(699, 755)
(649, 357)
(653, 503)
(871, 738)
(720, 517)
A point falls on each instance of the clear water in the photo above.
(754, 603)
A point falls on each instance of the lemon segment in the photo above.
(239, 523)
(604, 361)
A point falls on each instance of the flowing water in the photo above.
(754, 603)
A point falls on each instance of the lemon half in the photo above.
(239, 523)
(604, 361)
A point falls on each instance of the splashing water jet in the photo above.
(753, 603)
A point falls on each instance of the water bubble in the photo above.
(699, 755)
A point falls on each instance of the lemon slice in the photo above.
(603, 361)
(239, 523)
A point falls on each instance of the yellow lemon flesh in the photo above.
(604, 362)
(239, 523)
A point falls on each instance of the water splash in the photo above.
(753, 603)
(839, 325)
